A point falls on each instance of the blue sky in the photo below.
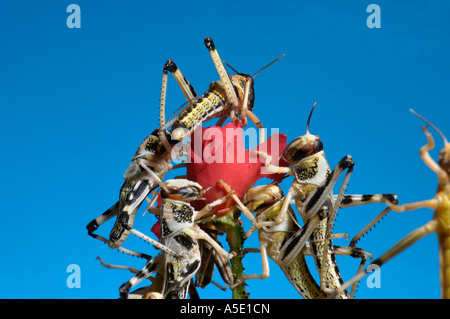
(76, 103)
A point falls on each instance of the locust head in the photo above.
(182, 190)
(303, 146)
(262, 196)
(240, 80)
(306, 154)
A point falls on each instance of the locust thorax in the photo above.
(182, 190)
(238, 82)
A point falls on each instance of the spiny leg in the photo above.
(354, 252)
(223, 74)
(120, 248)
(345, 163)
(357, 200)
(155, 243)
(150, 268)
(187, 89)
(297, 241)
(400, 246)
(107, 215)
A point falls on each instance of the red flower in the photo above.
(219, 153)
(222, 155)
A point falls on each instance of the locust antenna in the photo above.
(309, 118)
(268, 65)
(230, 67)
(429, 123)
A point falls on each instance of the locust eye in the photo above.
(189, 192)
(302, 147)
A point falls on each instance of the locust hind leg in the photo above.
(152, 266)
(122, 249)
(132, 195)
(400, 246)
(107, 215)
(354, 252)
(187, 89)
(357, 200)
(223, 74)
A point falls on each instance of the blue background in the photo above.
(76, 103)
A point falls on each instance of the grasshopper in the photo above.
(222, 99)
(266, 201)
(312, 190)
(180, 237)
(440, 224)
(149, 165)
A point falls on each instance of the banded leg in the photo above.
(357, 200)
(132, 193)
(149, 292)
(187, 89)
(120, 248)
(155, 243)
(223, 74)
(107, 215)
(354, 252)
(152, 266)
